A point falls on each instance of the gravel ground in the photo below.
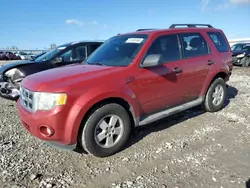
(191, 149)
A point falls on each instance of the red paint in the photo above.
(145, 89)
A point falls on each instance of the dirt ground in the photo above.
(189, 150)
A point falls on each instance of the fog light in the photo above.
(46, 131)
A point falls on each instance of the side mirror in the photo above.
(151, 60)
(58, 60)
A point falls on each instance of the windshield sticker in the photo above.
(134, 40)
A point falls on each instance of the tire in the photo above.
(245, 61)
(209, 101)
(88, 139)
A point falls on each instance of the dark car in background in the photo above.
(3, 56)
(11, 56)
(241, 54)
(12, 74)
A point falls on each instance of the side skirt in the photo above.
(165, 113)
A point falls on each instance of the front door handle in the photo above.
(210, 62)
(177, 70)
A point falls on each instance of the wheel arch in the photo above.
(118, 100)
(220, 74)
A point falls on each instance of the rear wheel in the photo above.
(106, 131)
(216, 95)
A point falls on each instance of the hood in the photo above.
(240, 52)
(58, 79)
(14, 64)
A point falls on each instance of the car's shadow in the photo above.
(140, 132)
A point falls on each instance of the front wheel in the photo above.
(245, 61)
(106, 131)
(216, 95)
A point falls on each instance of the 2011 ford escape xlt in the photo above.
(132, 79)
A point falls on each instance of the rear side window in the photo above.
(219, 41)
(194, 45)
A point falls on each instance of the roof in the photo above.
(86, 41)
(156, 31)
(176, 28)
(243, 43)
(78, 42)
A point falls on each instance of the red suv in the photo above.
(132, 79)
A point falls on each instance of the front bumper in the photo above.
(63, 121)
(237, 61)
(9, 91)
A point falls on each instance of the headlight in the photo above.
(240, 55)
(47, 101)
(10, 72)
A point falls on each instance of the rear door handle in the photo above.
(210, 62)
(177, 70)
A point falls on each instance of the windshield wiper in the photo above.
(96, 63)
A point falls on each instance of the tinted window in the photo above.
(74, 54)
(219, 41)
(246, 48)
(240, 47)
(167, 46)
(93, 47)
(118, 51)
(50, 54)
(194, 45)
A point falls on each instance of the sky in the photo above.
(30, 24)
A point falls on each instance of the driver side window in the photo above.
(78, 53)
(167, 46)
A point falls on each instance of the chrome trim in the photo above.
(165, 113)
(27, 99)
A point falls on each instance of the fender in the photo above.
(98, 94)
(211, 76)
(89, 99)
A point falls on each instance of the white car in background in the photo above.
(23, 55)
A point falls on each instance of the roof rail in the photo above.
(144, 29)
(191, 25)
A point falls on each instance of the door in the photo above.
(75, 54)
(199, 61)
(161, 86)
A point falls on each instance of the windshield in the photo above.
(117, 51)
(50, 54)
(240, 47)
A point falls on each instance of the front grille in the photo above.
(27, 99)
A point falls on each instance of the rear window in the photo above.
(219, 41)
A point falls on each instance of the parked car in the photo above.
(12, 74)
(133, 79)
(11, 56)
(3, 56)
(22, 55)
(241, 54)
(33, 57)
